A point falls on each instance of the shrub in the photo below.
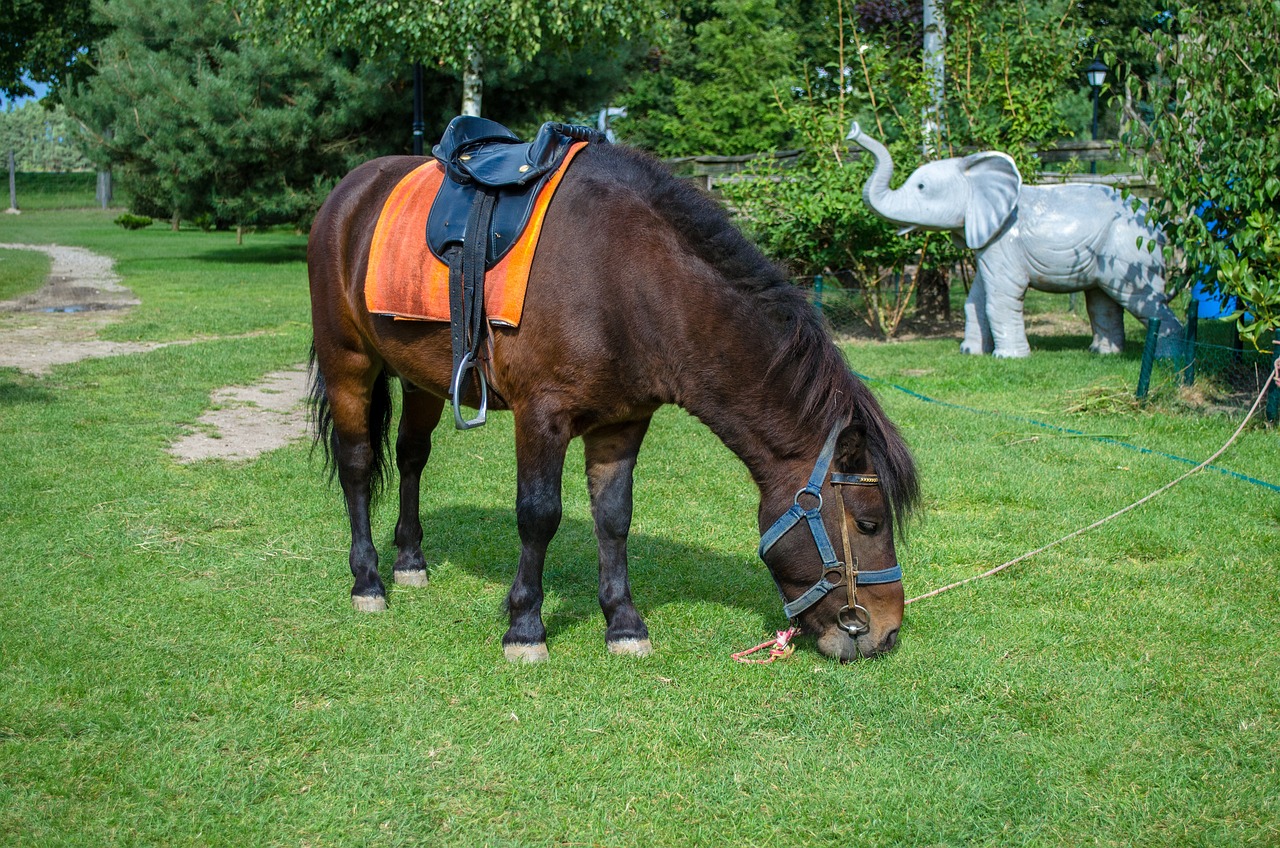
(1213, 139)
(133, 222)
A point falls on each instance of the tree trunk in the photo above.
(935, 40)
(104, 195)
(239, 233)
(104, 189)
(175, 220)
(472, 82)
(13, 185)
(933, 295)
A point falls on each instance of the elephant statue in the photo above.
(1064, 238)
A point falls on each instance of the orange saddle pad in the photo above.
(406, 280)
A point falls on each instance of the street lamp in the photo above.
(1096, 73)
(419, 125)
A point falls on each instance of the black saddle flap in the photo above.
(479, 154)
(447, 222)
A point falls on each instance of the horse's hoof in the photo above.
(417, 577)
(369, 603)
(631, 647)
(526, 653)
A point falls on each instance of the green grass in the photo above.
(179, 664)
(44, 191)
(22, 271)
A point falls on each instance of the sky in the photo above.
(40, 88)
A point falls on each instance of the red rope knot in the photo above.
(779, 647)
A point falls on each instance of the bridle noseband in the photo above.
(852, 617)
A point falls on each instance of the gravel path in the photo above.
(59, 324)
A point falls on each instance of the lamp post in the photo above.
(420, 126)
(1096, 73)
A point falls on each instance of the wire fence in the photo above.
(839, 298)
(896, 299)
(1209, 364)
(1212, 362)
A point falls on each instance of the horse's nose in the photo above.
(884, 646)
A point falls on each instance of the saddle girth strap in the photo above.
(467, 325)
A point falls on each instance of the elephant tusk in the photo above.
(907, 230)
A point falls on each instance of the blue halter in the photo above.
(847, 573)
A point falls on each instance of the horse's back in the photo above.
(607, 280)
(344, 225)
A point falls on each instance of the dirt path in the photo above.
(59, 324)
(245, 421)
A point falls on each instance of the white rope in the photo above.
(1274, 377)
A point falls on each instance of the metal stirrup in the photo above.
(468, 363)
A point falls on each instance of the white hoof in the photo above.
(369, 603)
(411, 578)
(631, 647)
(526, 653)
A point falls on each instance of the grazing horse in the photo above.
(641, 293)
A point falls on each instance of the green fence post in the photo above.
(817, 291)
(1273, 391)
(1148, 358)
(1188, 375)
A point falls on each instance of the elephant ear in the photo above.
(994, 183)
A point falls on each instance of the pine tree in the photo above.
(204, 121)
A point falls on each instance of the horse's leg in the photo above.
(541, 441)
(611, 458)
(420, 412)
(356, 401)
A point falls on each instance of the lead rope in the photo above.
(780, 647)
(1274, 378)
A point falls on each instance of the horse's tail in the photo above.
(380, 408)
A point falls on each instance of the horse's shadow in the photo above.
(483, 542)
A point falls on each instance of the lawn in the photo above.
(179, 663)
(21, 271)
(54, 190)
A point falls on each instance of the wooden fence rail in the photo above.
(710, 171)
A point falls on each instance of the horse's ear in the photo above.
(851, 448)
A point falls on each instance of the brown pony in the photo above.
(641, 293)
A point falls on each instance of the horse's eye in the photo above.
(867, 527)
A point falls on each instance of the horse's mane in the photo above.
(828, 387)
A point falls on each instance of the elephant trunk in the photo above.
(877, 185)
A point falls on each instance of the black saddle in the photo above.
(477, 216)
(479, 154)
